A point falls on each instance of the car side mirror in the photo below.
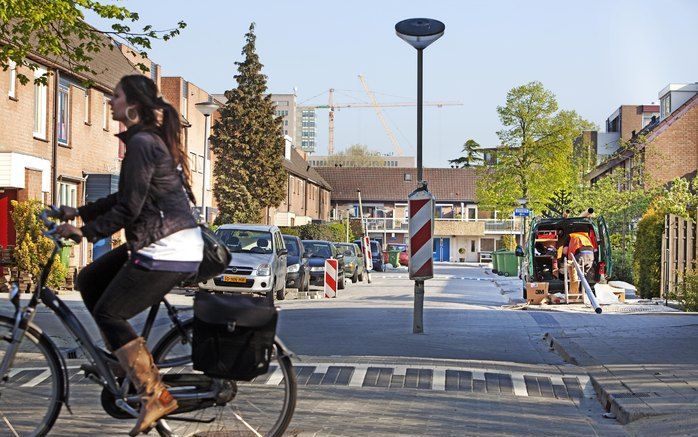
(283, 252)
(519, 251)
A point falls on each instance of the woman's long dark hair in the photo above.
(155, 113)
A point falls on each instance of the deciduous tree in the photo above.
(249, 145)
(356, 155)
(56, 29)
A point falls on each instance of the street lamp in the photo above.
(419, 33)
(206, 108)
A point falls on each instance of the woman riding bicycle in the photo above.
(163, 242)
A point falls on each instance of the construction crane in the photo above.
(331, 105)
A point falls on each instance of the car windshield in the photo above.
(318, 250)
(344, 247)
(292, 246)
(400, 247)
(246, 241)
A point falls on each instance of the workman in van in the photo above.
(582, 247)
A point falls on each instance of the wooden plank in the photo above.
(671, 253)
(663, 270)
(680, 248)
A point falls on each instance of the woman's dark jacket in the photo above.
(150, 204)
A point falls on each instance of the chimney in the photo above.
(287, 148)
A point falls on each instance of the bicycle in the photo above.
(34, 376)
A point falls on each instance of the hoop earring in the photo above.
(128, 114)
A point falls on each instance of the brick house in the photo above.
(670, 147)
(307, 193)
(459, 222)
(57, 141)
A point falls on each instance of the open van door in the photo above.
(605, 246)
(529, 252)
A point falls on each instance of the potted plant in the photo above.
(461, 251)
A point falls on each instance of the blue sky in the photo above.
(593, 55)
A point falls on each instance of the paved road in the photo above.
(477, 369)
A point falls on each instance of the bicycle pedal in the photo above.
(92, 374)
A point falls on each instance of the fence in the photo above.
(678, 251)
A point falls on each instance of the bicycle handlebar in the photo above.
(53, 212)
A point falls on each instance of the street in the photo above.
(477, 370)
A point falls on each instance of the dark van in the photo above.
(537, 264)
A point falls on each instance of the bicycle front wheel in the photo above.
(261, 407)
(30, 393)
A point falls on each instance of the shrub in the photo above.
(290, 230)
(621, 259)
(688, 290)
(32, 249)
(509, 242)
(647, 254)
(335, 231)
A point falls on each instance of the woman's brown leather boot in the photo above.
(156, 401)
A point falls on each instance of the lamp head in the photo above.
(420, 32)
(207, 108)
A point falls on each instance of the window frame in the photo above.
(87, 107)
(12, 89)
(63, 115)
(40, 106)
(105, 113)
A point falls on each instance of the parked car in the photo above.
(297, 267)
(376, 255)
(258, 262)
(404, 257)
(536, 267)
(353, 261)
(318, 251)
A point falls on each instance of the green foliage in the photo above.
(56, 29)
(535, 158)
(471, 155)
(335, 231)
(290, 230)
(622, 257)
(679, 199)
(249, 145)
(560, 202)
(688, 291)
(356, 155)
(647, 256)
(509, 242)
(32, 249)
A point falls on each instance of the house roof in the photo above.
(109, 64)
(650, 132)
(389, 184)
(300, 167)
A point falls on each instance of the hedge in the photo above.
(647, 254)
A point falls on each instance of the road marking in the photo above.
(275, 377)
(357, 378)
(38, 379)
(439, 380)
(519, 384)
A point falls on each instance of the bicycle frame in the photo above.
(99, 357)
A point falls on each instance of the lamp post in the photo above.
(366, 251)
(206, 108)
(419, 33)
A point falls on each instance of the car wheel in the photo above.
(355, 276)
(306, 287)
(281, 294)
(340, 283)
(361, 276)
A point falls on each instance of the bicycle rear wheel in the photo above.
(262, 407)
(31, 392)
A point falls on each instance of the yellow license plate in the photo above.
(228, 278)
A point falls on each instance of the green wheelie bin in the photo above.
(508, 264)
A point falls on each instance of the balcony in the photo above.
(443, 226)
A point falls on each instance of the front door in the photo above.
(442, 249)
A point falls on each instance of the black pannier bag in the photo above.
(233, 335)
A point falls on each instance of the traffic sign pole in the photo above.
(421, 265)
(368, 262)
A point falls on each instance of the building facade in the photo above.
(285, 107)
(57, 141)
(379, 161)
(667, 146)
(459, 223)
(306, 129)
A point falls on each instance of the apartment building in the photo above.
(57, 141)
(376, 161)
(669, 145)
(306, 129)
(285, 107)
(459, 223)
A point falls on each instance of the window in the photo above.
(408, 177)
(13, 80)
(40, 105)
(63, 116)
(87, 106)
(154, 71)
(192, 162)
(665, 106)
(185, 99)
(68, 195)
(472, 245)
(200, 163)
(105, 113)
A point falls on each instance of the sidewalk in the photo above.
(640, 366)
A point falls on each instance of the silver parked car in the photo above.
(258, 262)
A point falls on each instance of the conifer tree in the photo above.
(249, 145)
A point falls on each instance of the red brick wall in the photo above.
(674, 152)
(631, 120)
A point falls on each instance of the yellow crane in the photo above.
(332, 106)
